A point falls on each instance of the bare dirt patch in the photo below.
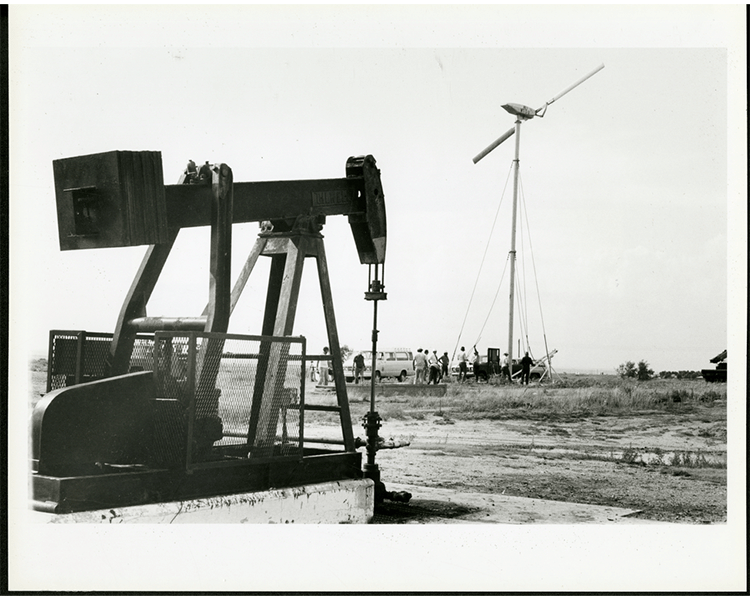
(667, 464)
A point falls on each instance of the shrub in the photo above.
(641, 371)
(644, 371)
(709, 396)
(680, 374)
(627, 369)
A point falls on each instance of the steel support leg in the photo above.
(135, 303)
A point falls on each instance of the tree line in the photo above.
(643, 372)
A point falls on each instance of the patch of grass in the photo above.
(679, 472)
(709, 396)
(708, 432)
(630, 456)
(656, 457)
(576, 398)
(695, 460)
(394, 412)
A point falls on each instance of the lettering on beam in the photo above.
(329, 198)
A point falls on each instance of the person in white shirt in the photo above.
(434, 367)
(475, 362)
(420, 364)
(323, 366)
(462, 358)
(505, 370)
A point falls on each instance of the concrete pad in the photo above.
(345, 501)
(444, 506)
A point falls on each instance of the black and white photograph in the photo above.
(449, 291)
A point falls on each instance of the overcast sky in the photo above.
(623, 230)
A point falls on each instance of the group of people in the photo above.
(505, 369)
(324, 373)
(430, 368)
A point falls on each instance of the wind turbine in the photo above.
(522, 113)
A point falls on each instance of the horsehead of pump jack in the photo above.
(522, 113)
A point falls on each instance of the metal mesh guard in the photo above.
(81, 356)
(244, 394)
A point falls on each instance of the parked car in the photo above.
(391, 362)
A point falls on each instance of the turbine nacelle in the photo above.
(520, 110)
(524, 113)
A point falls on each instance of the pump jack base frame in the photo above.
(134, 487)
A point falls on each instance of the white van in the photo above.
(391, 362)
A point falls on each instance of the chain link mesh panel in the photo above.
(81, 356)
(171, 370)
(169, 357)
(95, 355)
(244, 393)
(63, 359)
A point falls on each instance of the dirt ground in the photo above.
(661, 466)
(664, 467)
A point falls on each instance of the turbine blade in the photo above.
(576, 84)
(494, 145)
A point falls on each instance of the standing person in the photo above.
(204, 175)
(191, 173)
(323, 366)
(434, 365)
(420, 364)
(475, 363)
(526, 364)
(359, 368)
(427, 362)
(462, 358)
(444, 362)
(505, 370)
(313, 372)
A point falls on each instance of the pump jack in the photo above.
(117, 199)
